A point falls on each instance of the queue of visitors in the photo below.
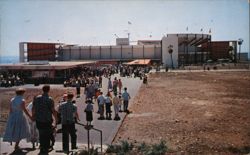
(44, 116)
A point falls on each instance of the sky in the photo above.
(95, 22)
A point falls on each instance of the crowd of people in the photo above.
(44, 116)
(10, 80)
(86, 74)
(136, 71)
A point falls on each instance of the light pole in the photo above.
(240, 41)
(170, 51)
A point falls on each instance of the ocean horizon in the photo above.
(9, 59)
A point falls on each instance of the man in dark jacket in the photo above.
(42, 111)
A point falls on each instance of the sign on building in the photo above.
(122, 41)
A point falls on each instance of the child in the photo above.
(33, 130)
(89, 112)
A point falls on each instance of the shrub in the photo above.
(126, 148)
(159, 149)
(143, 148)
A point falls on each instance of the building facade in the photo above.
(186, 49)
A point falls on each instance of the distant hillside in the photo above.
(9, 59)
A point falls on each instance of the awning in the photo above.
(139, 62)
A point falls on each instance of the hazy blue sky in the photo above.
(96, 22)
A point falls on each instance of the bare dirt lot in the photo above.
(195, 112)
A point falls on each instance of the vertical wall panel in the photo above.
(127, 52)
(116, 52)
(105, 50)
(138, 52)
(149, 51)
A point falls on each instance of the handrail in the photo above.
(89, 128)
(86, 127)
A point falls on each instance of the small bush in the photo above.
(122, 149)
(143, 148)
(126, 148)
(159, 149)
(113, 148)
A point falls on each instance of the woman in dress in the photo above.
(17, 125)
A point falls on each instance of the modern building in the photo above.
(172, 50)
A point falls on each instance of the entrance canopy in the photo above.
(53, 65)
(139, 62)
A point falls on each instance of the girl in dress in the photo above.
(34, 135)
(17, 127)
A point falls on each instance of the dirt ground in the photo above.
(195, 112)
(7, 94)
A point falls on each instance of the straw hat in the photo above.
(20, 90)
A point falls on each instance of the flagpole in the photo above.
(129, 23)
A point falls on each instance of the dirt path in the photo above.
(199, 113)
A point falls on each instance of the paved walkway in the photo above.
(108, 127)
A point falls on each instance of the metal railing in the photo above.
(88, 128)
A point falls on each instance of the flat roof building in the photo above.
(187, 48)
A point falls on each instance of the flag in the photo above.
(187, 28)
(201, 29)
(129, 22)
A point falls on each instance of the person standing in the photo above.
(108, 103)
(110, 87)
(120, 105)
(42, 111)
(116, 103)
(33, 129)
(89, 112)
(78, 88)
(91, 90)
(115, 84)
(120, 86)
(126, 97)
(145, 80)
(17, 127)
(68, 112)
(101, 101)
(100, 81)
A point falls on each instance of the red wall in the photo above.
(219, 50)
(41, 51)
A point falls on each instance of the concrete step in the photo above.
(26, 148)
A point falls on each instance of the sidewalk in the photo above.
(6, 148)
